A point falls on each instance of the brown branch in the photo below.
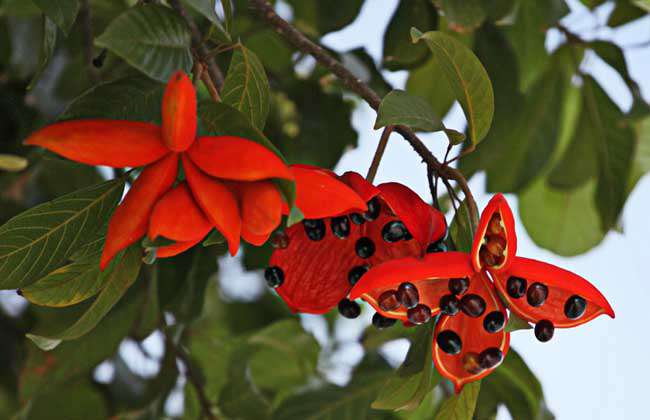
(87, 31)
(379, 153)
(304, 44)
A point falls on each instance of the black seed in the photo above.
(472, 305)
(536, 294)
(494, 321)
(280, 240)
(365, 247)
(408, 295)
(374, 208)
(349, 309)
(274, 276)
(340, 227)
(387, 301)
(355, 274)
(544, 330)
(436, 247)
(408, 236)
(575, 307)
(449, 342)
(381, 322)
(471, 363)
(357, 218)
(314, 228)
(458, 286)
(449, 305)
(516, 287)
(393, 231)
(421, 314)
(490, 357)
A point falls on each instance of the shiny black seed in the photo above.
(490, 357)
(449, 342)
(387, 301)
(494, 321)
(472, 305)
(365, 247)
(408, 295)
(436, 247)
(381, 322)
(449, 305)
(408, 236)
(575, 307)
(374, 208)
(516, 287)
(349, 308)
(458, 286)
(341, 227)
(357, 218)
(355, 274)
(544, 330)
(274, 276)
(314, 228)
(420, 314)
(537, 294)
(280, 240)
(393, 231)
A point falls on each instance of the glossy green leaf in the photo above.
(624, 12)
(37, 241)
(467, 77)
(89, 404)
(47, 49)
(428, 81)
(515, 324)
(12, 163)
(643, 4)
(461, 406)
(151, 38)
(463, 15)
(124, 273)
(316, 17)
(135, 98)
(246, 87)
(400, 108)
(399, 52)
(207, 9)
(462, 228)
(62, 12)
(641, 164)
(414, 379)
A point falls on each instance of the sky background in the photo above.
(595, 371)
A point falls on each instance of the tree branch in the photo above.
(379, 153)
(304, 44)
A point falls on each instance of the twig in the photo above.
(212, 89)
(304, 44)
(87, 28)
(433, 187)
(192, 376)
(379, 153)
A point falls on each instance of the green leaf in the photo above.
(38, 240)
(214, 238)
(424, 81)
(463, 15)
(400, 108)
(468, 79)
(399, 52)
(624, 12)
(644, 4)
(151, 38)
(246, 87)
(207, 9)
(89, 403)
(124, 273)
(135, 98)
(565, 222)
(641, 163)
(316, 17)
(62, 12)
(363, 66)
(68, 285)
(47, 49)
(455, 137)
(462, 228)
(461, 406)
(515, 324)
(414, 379)
(12, 163)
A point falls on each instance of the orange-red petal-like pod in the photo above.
(320, 194)
(260, 204)
(179, 113)
(217, 202)
(177, 216)
(130, 219)
(253, 238)
(176, 248)
(113, 143)
(569, 299)
(365, 189)
(238, 159)
(483, 341)
(495, 240)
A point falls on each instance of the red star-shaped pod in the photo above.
(317, 261)
(470, 339)
(228, 178)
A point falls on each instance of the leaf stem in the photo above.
(379, 153)
(304, 44)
